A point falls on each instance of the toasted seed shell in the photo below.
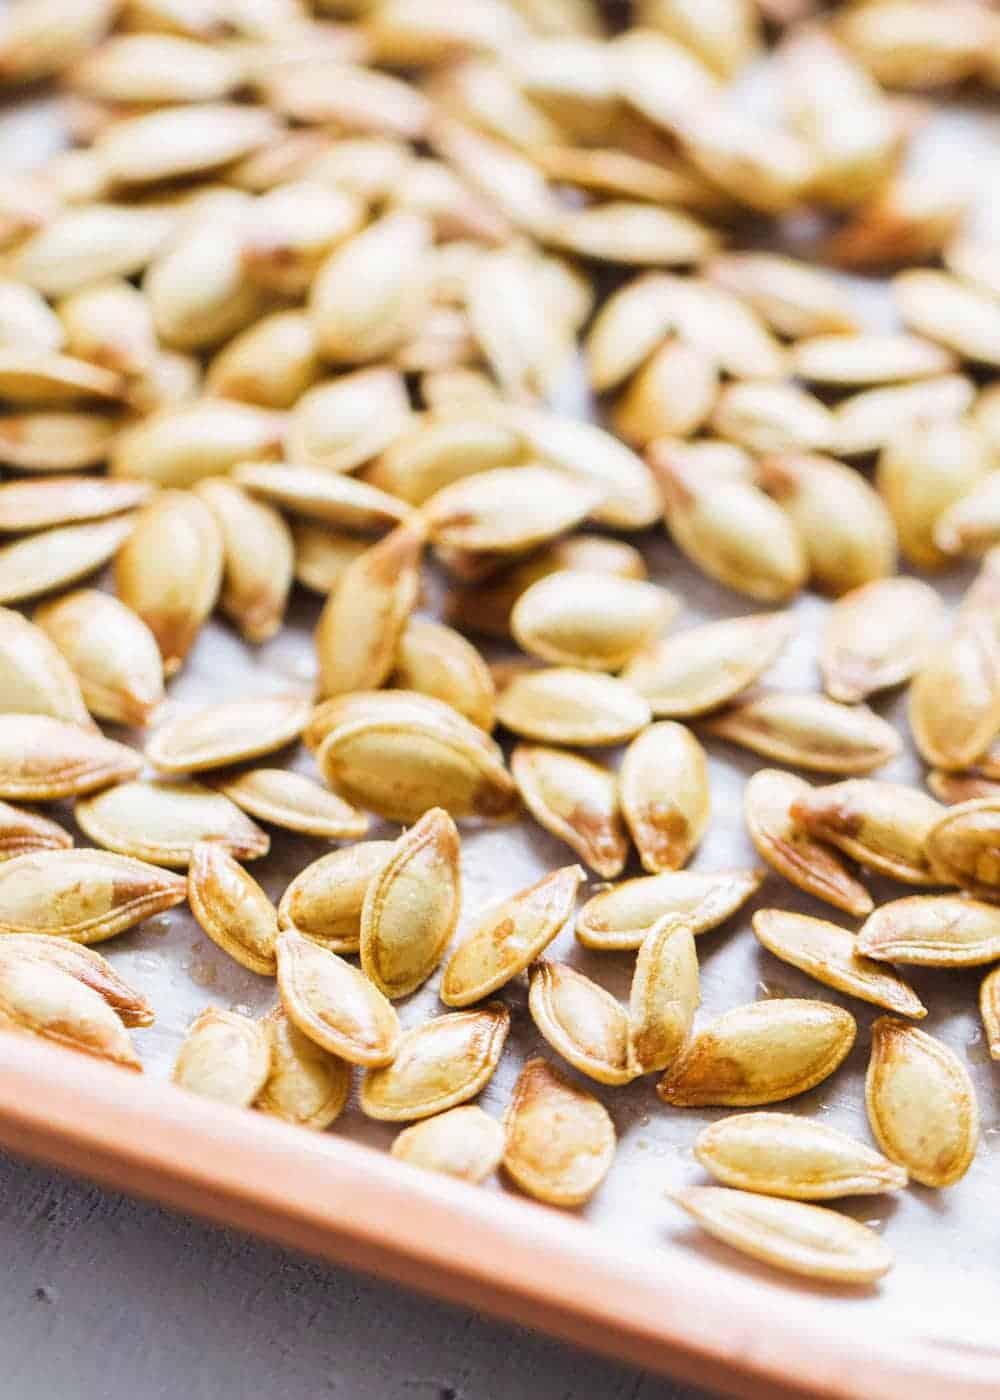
(232, 908)
(291, 229)
(764, 416)
(325, 900)
(272, 363)
(877, 636)
(707, 666)
(86, 966)
(305, 1085)
(230, 732)
(945, 930)
(53, 559)
(179, 141)
(560, 1139)
(923, 470)
(34, 677)
(432, 452)
(334, 1004)
(323, 553)
(794, 298)
(163, 821)
(830, 954)
(952, 788)
(23, 831)
(619, 918)
(64, 500)
(869, 420)
(295, 803)
(42, 758)
(882, 825)
(411, 907)
(803, 1239)
(39, 377)
(779, 1154)
(808, 731)
(509, 510)
(257, 558)
(989, 1006)
(575, 799)
(41, 999)
(622, 232)
(464, 1142)
(181, 443)
(582, 1022)
(593, 620)
(85, 244)
(322, 495)
(790, 849)
(160, 68)
(225, 1057)
(563, 705)
(508, 937)
(950, 312)
(439, 1064)
(868, 358)
(921, 1103)
(955, 696)
(435, 660)
(83, 895)
(664, 997)
(56, 442)
(343, 422)
(971, 525)
(761, 1053)
(672, 394)
(664, 795)
(110, 325)
(169, 571)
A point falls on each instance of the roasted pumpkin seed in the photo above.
(163, 821)
(86, 966)
(619, 918)
(83, 895)
(509, 510)
(181, 443)
(64, 500)
(664, 997)
(39, 998)
(884, 826)
(42, 758)
(343, 422)
(34, 676)
(334, 1004)
(224, 1057)
(325, 900)
(257, 558)
(305, 1085)
(955, 696)
(946, 930)
(464, 1142)
(230, 732)
(808, 731)
(52, 559)
(232, 908)
(435, 660)
(593, 620)
(925, 468)
(581, 1021)
(295, 803)
(560, 1139)
(877, 636)
(439, 1064)
(989, 1006)
(707, 666)
(564, 705)
(575, 799)
(22, 831)
(318, 494)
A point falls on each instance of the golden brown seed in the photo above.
(343, 422)
(778, 1154)
(761, 1053)
(593, 620)
(435, 660)
(952, 788)
(563, 705)
(989, 1006)
(83, 895)
(293, 802)
(51, 559)
(868, 421)
(877, 636)
(707, 666)
(230, 732)
(830, 954)
(464, 1142)
(946, 930)
(962, 847)
(808, 731)
(163, 821)
(169, 571)
(334, 1004)
(672, 394)
(305, 1085)
(664, 997)
(42, 758)
(577, 800)
(257, 558)
(322, 554)
(955, 696)
(664, 795)
(272, 363)
(86, 966)
(581, 1021)
(232, 908)
(436, 450)
(790, 849)
(56, 442)
(322, 495)
(64, 500)
(803, 1239)
(509, 510)
(868, 358)
(23, 831)
(921, 1104)
(180, 443)
(225, 1057)
(560, 1139)
(923, 470)
(34, 677)
(509, 936)
(439, 1064)
(39, 998)
(358, 633)
(619, 918)
(794, 298)
(325, 900)
(884, 826)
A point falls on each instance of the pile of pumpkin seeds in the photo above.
(297, 307)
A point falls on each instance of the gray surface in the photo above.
(105, 1298)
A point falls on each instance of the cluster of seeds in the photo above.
(311, 283)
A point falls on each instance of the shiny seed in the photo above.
(294, 803)
(664, 997)
(950, 312)
(224, 1057)
(230, 732)
(629, 326)
(808, 731)
(232, 908)
(39, 998)
(257, 558)
(563, 705)
(870, 420)
(325, 900)
(560, 1139)
(439, 1064)
(509, 510)
(434, 452)
(56, 442)
(22, 831)
(53, 559)
(772, 417)
(182, 443)
(162, 822)
(989, 1006)
(664, 795)
(672, 394)
(924, 470)
(86, 966)
(334, 1004)
(464, 1142)
(343, 422)
(921, 1103)
(272, 363)
(64, 500)
(581, 1021)
(707, 666)
(877, 636)
(322, 495)
(955, 696)
(961, 847)
(34, 677)
(43, 758)
(619, 918)
(794, 298)
(181, 141)
(577, 800)
(83, 895)
(305, 1085)
(884, 826)
(946, 930)
(435, 660)
(868, 358)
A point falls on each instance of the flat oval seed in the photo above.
(42, 758)
(707, 666)
(411, 906)
(38, 377)
(804, 1239)
(53, 559)
(434, 451)
(272, 363)
(778, 1154)
(64, 500)
(163, 821)
(509, 936)
(761, 1053)
(955, 696)
(952, 788)
(962, 317)
(808, 731)
(946, 930)
(592, 620)
(877, 636)
(868, 358)
(230, 732)
(232, 908)
(884, 826)
(22, 831)
(41, 999)
(868, 421)
(664, 795)
(224, 1057)
(86, 966)
(258, 557)
(305, 1084)
(831, 955)
(563, 705)
(438, 1064)
(319, 494)
(989, 1006)
(575, 799)
(560, 1139)
(179, 141)
(795, 298)
(34, 677)
(464, 1142)
(435, 660)
(325, 900)
(343, 422)
(182, 443)
(921, 1103)
(924, 469)
(619, 918)
(672, 395)
(56, 442)
(664, 997)
(581, 1021)
(962, 847)
(83, 245)
(509, 510)
(322, 554)
(295, 803)
(789, 848)
(334, 1004)
(83, 895)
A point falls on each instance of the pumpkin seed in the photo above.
(925, 469)
(328, 91)
(877, 636)
(869, 420)
(322, 554)
(619, 918)
(26, 319)
(173, 378)
(950, 312)
(272, 363)
(795, 299)
(64, 500)
(159, 68)
(53, 559)
(866, 357)
(224, 1057)
(43, 758)
(86, 966)
(560, 1139)
(946, 930)
(762, 165)
(305, 1085)
(503, 176)
(42, 378)
(232, 908)
(664, 795)
(804, 1239)
(325, 900)
(110, 325)
(38, 998)
(163, 822)
(628, 328)
(86, 244)
(508, 937)
(830, 954)
(507, 511)
(435, 660)
(341, 423)
(808, 731)
(334, 1004)
(230, 732)
(761, 1053)
(590, 619)
(581, 1021)
(439, 1064)
(622, 232)
(464, 1142)
(664, 997)
(971, 525)
(182, 443)
(257, 558)
(319, 494)
(707, 666)
(575, 799)
(765, 416)
(882, 825)
(672, 394)
(22, 832)
(181, 141)
(433, 452)
(34, 677)
(563, 705)
(921, 1104)
(952, 788)
(914, 45)
(83, 895)
(989, 1005)
(59, 442)
(955, 696)
(293, 802)
(777, 1154)
(292, 228)
(961, 847)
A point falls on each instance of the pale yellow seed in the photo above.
(293, 802)
(619, 918)
(582, 1022)
(664, 795)
(808, 731)
(334, 1004)
(664, 997)
(160, 68)
(23, 831)
(292, 228)
(163, 821)
(180, 444)
(955, 696)
(38, 998)
(86, 966)
(56, 442)
(224, 1057)
(43, 758)
(322, 495)
(869, 420)
(924, 469)
(946, 930)
(865, 357)
(232, 908)
(305, 1085)
(272, 363)
(509, 510)
(564, 705)
(53, 559)
(323, 553)
(230, 732)
(34, 676)
(64, 500)
(950, 312)
(622, 232)
(577, 800)
(433, 451)
(257, 558)
(672, 394)
(877, 636)
(341, 423)
(181, 141)
(83, 895)
(42, 378)
(705, 667)
(84, 244)
(325, 900)
(26, 319)
(437, 661)
(589, 619)
(560, 1139)
(884, 826)
(989, 1006)
(765, 416)
(794, 298)
(464, 1142)
(439, 1064)
(110, 325)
